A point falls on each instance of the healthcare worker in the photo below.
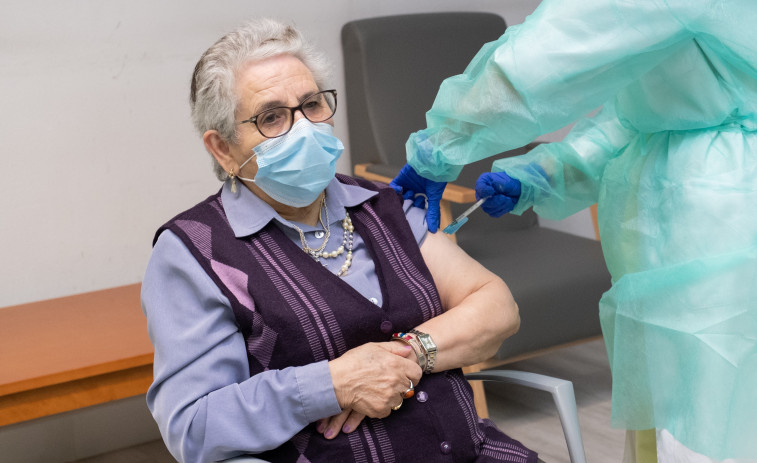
(671, 159)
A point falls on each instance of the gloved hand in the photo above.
(502, 190)
(409, 184)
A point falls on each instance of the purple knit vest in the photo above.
(292, 311)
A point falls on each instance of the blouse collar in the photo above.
(248, 214)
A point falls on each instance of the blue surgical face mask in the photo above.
(295, 168)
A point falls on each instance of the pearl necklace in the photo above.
(347, 240)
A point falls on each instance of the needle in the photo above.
(458, 222)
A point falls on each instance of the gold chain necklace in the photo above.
(347, 240)
(305, 246)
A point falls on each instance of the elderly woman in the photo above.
(299, 315)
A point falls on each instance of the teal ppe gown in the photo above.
(671, 159)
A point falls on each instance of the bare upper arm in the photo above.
(455, 273)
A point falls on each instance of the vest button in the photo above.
(445, 448)
(374, 300)
(421, 396)
(386, 327)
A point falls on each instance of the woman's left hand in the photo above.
(347, 421)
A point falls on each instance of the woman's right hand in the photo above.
(370, 379)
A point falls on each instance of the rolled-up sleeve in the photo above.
(207, 406)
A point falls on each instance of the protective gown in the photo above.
(671, 159)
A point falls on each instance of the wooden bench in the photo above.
(71, 352)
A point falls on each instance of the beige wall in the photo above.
(97, 146)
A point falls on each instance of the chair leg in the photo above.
(565, 401)
(479, 396)
(562, 394)
(595, 220)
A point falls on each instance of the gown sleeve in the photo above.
(560, 179)
(568, 58)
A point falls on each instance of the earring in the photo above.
(233, 178)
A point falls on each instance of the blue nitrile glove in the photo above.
(409, 184)
(502, 190)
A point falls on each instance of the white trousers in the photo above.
(669, 450)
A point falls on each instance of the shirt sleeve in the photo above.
(416, 217)
(568, 58)
(207, 406)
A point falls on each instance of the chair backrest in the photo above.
(393, 68)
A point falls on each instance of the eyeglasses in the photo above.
(276, 122)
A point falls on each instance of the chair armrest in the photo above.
(459, 194)
(522, 378)
(562, 394)
(452, 193)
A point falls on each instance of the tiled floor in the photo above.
(524, 414)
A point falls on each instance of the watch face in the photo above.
(427, 342)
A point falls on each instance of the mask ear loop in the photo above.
(243, 164)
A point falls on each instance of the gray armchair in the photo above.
(393, 68)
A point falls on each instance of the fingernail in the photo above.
(329, 434)
(319, 427)
(346, 428)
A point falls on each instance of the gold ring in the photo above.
(397, 407)
(410, 392)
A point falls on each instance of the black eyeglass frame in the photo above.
(254, 119)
